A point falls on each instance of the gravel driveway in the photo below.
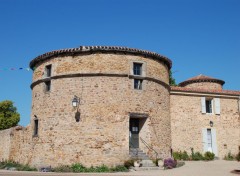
(192, 168)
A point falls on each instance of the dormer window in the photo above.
(48, 70)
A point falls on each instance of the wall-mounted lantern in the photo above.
(211, 123)
(75, 104)
(75, 101)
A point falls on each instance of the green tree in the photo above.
(9, 117)
(172, 81)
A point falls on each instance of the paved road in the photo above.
(192, 168)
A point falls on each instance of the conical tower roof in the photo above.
(201, 78)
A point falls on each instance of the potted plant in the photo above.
(160, 162)
(137, 163)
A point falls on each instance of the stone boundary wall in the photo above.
(15, 145)
(5, 136)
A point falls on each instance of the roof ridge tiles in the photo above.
(199, 90)
(201, 78)
(85, 49)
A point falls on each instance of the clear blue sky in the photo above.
(199, 36)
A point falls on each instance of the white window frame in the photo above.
(211, 100)
(215, 103)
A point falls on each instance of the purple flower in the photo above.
(169, 163)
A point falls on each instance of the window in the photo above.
(138, 84)
(137, 69)
(210, 105)
(35, 132)
(47, 86)
(48, 70)
(138, 74)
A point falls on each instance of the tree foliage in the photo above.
(172, 81)
(9, 117)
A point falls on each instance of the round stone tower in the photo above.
(123, 104)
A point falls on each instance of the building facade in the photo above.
(124, 102)
(205, 117)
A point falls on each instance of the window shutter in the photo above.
(144, 69)
(214, 142)
(131, 68)
(217, 105)
(205, 142)
(203, 102)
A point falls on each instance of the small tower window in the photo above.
(47, 86)
(138, 84)
(48, 70)
(137, 69)
(35, 130)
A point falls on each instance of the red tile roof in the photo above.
(104, 49)
(184, 89)
(201, 78)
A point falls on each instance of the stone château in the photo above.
(124, 102)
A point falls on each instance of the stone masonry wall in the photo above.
(15, 144)
(187, 122)
(205, 85)
(4, 144)
(102, 63)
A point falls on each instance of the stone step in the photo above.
(145, 168)
(147, 163)
(136, 153)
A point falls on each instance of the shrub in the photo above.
(180, 155)
(197, 156)
(185, 156)
(209, 156)
(78, 168)
(129, 163)
(62, 168)
(177, 155)
(102, 168)
(18, 166)
(119, 169)
(169, 163)
(229, 157)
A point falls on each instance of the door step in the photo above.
(147, 163)
(145, 168)
(136, 153)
